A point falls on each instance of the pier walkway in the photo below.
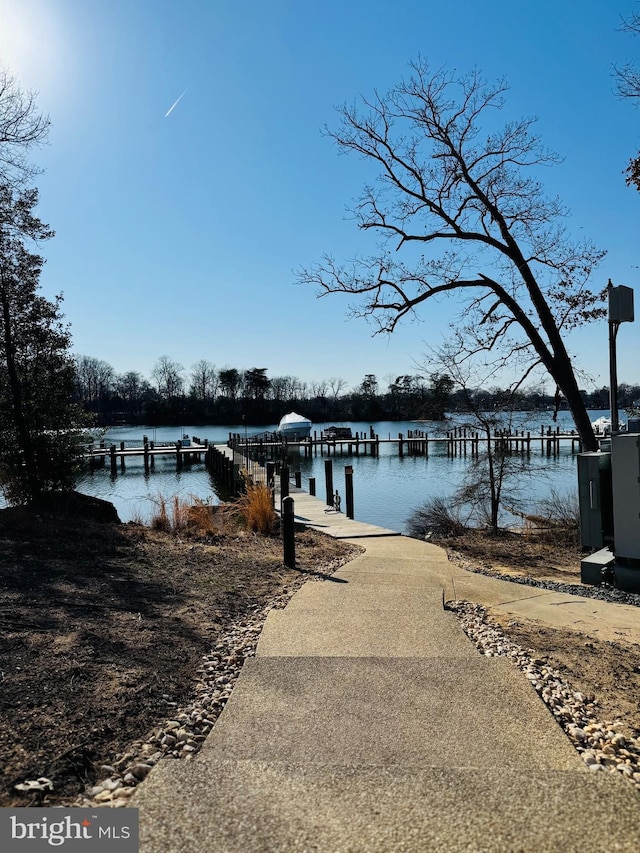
(368, 722)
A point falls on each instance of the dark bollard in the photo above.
(284, 482)
(348, 489)
(328, 477)
(298, 477)
(288, 533)
(312, 486)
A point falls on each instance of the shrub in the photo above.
(562, 509)
(562, 514)
(437, 516)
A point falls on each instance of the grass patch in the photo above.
(256, 508)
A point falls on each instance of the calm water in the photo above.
(386, 489)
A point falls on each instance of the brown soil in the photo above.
(608, 671)
(101, 623)
(544, 556)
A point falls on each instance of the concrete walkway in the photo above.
(369, 722)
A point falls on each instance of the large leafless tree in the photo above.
(22, 127)
(459, 209)
(628, 86)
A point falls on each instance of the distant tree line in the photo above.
(228, 395)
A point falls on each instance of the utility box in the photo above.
(625, 469)
(595, 499)
(621, 304)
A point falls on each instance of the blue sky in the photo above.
(180, 235)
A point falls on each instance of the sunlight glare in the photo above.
(31, 44)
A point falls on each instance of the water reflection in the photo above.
(386, 488)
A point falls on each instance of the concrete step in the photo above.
(259, 807)
(359, 631)
(354, 593)
(403, 576)
(441, 712)
(382, 567)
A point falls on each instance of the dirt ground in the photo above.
(608, 671)
(100, 624)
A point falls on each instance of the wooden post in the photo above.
(312, 486)
(348, 489)
(328, 478)
(112, 454)
(298, 476)
(122, 457)
(288, 533)
(400, 447)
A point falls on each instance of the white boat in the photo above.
(294, 427)
(602, 426)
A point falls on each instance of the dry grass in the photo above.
(253, 511)
(160, 520)
(195, 516)
(256, 508)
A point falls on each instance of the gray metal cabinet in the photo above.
(625, 469)
(596, 504)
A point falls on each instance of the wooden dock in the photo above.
(244, 450)
(117, 456)
(459, 441)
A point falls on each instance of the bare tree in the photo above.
(132, 388)
(22, 127)
(628, 86)
(318, 389)
(286, 388)
(94, 380)
(204, 380)
(496, 472)
(336, 385)
(468, 199)
(168, 377)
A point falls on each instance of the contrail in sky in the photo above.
(174, 105)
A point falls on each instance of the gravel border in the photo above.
(600, 743)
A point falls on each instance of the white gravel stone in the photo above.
(609, 749)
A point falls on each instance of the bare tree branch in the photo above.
(473, 201)
(22, 127)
